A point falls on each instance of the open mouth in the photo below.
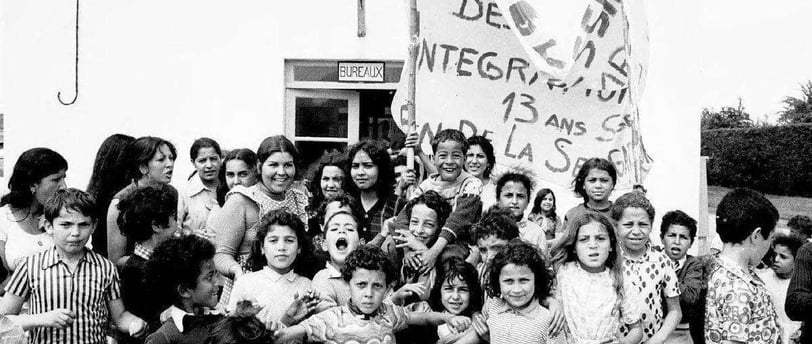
(342, 243)
(594, 255)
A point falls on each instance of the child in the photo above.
(340, 239)
(280, 240)
(678, 232)
(776, 280)
(596, 298)
(147, 218)
(544, 215)
(458, 187)
(492, 234)
(649, 271)
(519, 280)
(513, 193)
(76, 312)
(739, 307)
(594, 184)
(184, 283)
(800, 226)
(242, 327)
(366, 319)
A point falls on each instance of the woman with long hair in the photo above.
(109, 177)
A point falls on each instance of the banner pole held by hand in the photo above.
(414, 33)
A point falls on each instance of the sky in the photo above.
(759, 51)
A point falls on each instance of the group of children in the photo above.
(441, 271)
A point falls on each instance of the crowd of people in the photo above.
(368, 250)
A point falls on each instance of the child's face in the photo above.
(207, 164)
(48, 186)
(280, 248)
(514, 196)
(277, 172)
(448, 159)
(207, 291)
(363, 171)
(423, 223)
(547, 202)
(598, 185)
(160, 168)
(633, 229)
(784, 262)
(455, 295)
(332, 179)
(476, 162)
(592, 246)
(677, 240)
(238, 173)
(517, 284)
(340, 238)
(489, 247)
(71, 230)
(367, 289)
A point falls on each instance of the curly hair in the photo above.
(282, 218)
(241, 327)
(497, 222)
(380, 158)
(801, 223)
(70, 199)
(146, 207)
(176, 262)
(521, 253)
(369, 258)
(583, 172)
(791, 242)
(487, 148)
(535, 212)
(450, 270)
(328, 159)
(741, 211)
(435, 202)
(678, 218)
(31, 167)
(632, 200)
(449, 135)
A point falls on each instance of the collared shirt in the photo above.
(271, 291)
(331, 287)
(195, 201)
(142, 251)
(679, 263)
(739, 307)
(176, 314)
(342, 325)
(652, 277)
(530, 324)
(46, 281)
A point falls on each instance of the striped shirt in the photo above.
(48, 284)
(530, 324)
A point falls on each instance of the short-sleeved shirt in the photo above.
(530, 324)
(652, 277)
(48, 284)
(739, 307)
(331, 286)
(343, 325)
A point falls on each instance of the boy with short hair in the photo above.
(72, 290)
(366, 319)
(340, 238)
(776, 279)
(738, 307)
(492, 234)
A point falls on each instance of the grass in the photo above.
(787, 206)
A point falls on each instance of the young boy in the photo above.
(649, 271)
(678, 232)
(458, 187)
(738, 307)
(800, 226)
(492, 234)
(71, 289)
(365, 319)
(340, 239)
(776, 280)
(184, 282)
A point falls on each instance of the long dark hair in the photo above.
(380, 157)
(141, 151)
(487, 148)
(243, 154)
(279, 217)
(449, 270)
(536, 210)
(328, 159)
(33, 165)
(109, 177)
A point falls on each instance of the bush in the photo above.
(775, 160)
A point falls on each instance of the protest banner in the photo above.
(473, 74)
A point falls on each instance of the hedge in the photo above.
(775, 160)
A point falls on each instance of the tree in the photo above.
(798, 110)
(726, 117)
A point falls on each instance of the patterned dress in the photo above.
(653, 277)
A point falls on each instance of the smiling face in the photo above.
(677, 240)
(340, 238)
(455, 295)
(332, 181)
(280, 248)
(48, 186)
(207, 164)
(633, 229)
(476, 162)
(448, 159)
(206, 292)
(278, 171)
(363, 171)
(514, 196)
(517, 284)
(160, 167)
(592, 247)
(367, 289)
(70, 230)
(598, 185)
(547, 202)
(423, 223)
(238, 173)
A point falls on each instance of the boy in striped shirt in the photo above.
(71, 289)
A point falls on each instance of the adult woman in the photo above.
(327, 182)
(37, 175)
(149, 160)
(109, 176)
(235, 224)
(200, 194)
(479, 161)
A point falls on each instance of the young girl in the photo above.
(277, 248)
(199, 196)
(513, 314)
(594, 183)
(591, 288)
(513, 193)
(239, 168)
(544, 215)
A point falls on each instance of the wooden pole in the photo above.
(414, 33)
(362, 26)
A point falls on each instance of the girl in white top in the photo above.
(513, 193)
